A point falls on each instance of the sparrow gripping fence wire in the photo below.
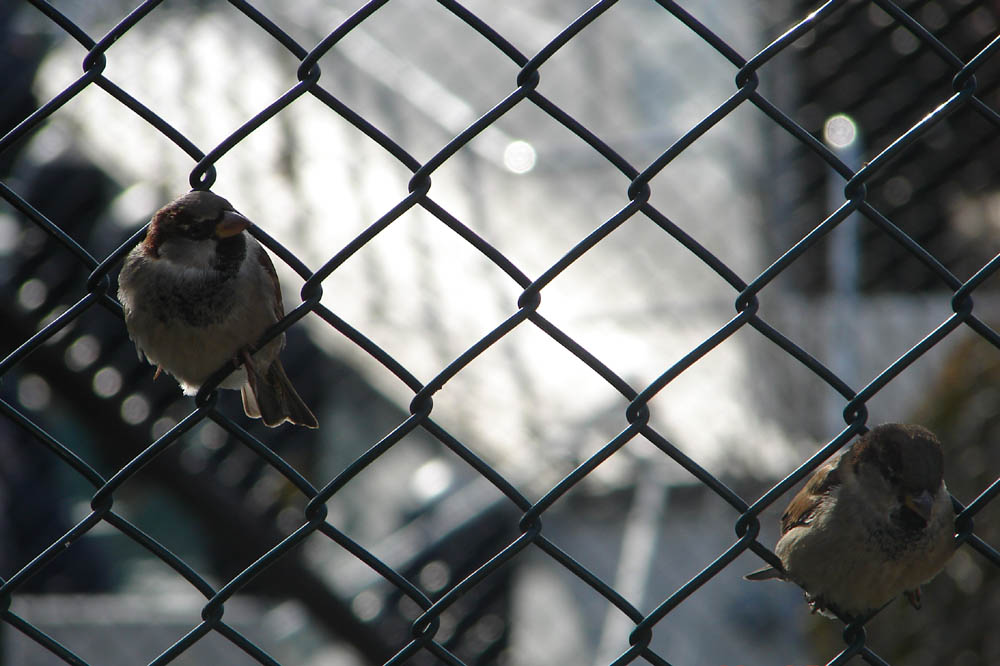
(68, 375)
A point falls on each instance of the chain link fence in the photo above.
(401, 532)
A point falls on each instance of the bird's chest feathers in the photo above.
(193, 298)
(889, 531)
(189, 313)
(892, 539)
(191, 284)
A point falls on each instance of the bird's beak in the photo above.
(920, 504)
(231, 224)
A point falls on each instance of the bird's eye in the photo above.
(197, 230)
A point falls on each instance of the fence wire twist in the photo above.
(98, 292)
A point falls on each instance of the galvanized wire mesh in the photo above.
(262, 551)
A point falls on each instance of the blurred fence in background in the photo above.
(826, 169)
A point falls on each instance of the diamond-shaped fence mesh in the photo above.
(579, 295)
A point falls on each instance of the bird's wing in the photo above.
(265, 263)
(800, 510)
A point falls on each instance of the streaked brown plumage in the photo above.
(869, 525)
(200, 291)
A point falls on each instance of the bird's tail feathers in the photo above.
(273, 399)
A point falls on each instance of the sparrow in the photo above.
(875, 522)
(199, 291)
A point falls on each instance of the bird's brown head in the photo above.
(909, 459)
(197, 215)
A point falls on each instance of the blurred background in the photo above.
(639, 301)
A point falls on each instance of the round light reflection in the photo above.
(135, 409)
(107, 382)
(840, 131)
(33, 392)
(519, 157)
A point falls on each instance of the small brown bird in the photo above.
(200, 291)
(875, 522)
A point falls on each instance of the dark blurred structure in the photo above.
(864, 63)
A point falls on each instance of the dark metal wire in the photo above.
(748, 73)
